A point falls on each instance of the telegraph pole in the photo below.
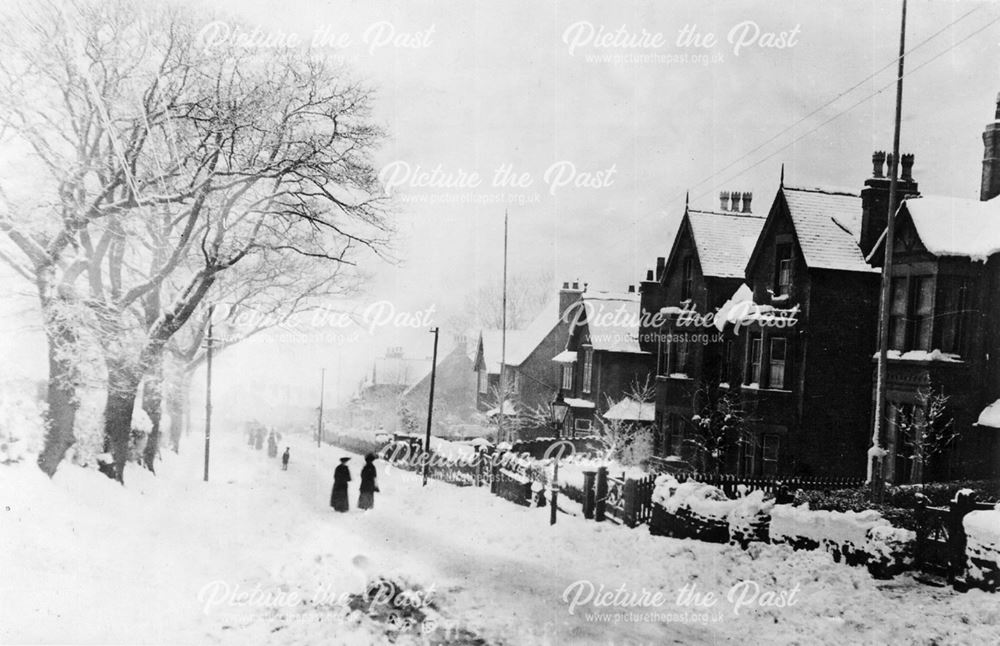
(430, 405)
(208, 388)
(876, 460)
(503, 337)
(319, 427)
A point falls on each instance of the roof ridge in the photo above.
(821, 191)
(734, 214)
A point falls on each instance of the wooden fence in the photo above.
(731, 484)
(941, 539)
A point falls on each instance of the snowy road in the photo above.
(256, 556)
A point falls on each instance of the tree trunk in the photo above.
(152, 403)
(176, 401)
(62, 401)
(123, 385)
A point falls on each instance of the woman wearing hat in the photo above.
(369, 484)
(341, 476)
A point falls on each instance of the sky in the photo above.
(587, 122)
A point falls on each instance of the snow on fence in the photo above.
(734, 486)
(944, 545)
(352, 443)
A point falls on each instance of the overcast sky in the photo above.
(472, 87)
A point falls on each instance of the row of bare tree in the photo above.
(156, 176)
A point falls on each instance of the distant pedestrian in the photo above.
(284, 460)
(341, 476)
(369, 484)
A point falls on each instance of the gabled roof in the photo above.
(828, 227)
(950, 226)
(724, 241)
(520, 343)
(631, 410)
(396, 371)
(613, 320)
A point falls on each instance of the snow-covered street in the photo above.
(257, 556)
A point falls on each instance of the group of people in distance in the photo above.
(367, 490)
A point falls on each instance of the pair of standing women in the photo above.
(369, 485)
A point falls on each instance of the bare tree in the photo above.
(527, 293)
(718, 428)
(929, 427)
(628, 441)
(173, 165)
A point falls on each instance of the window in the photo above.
(756, 348)
(677, 357)
(901, 439)
(588, 368)
(484, 381)
(567, 376)
(725, 362)
(953, 311)
(582, 426)
(687, 279)
(911, 313)
(749, 446)
(897, 315)
(676, 435)
(923, 318)
(783, 269)
(769, 461)
(776, 374)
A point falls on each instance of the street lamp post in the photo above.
(209, 341)
(558, 409)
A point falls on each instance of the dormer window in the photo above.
(687, 278)
(783, 270)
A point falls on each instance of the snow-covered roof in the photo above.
(950, 226)
(990, 415)
(493, 347)
(724, 241)
(828, 228)
(521, 345)
(743, 294)
(576, 402)
(632, 410)
(613, 320)
(397, 371)
(566, 356)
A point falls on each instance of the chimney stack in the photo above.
(989, 186)
(875, 196)
(661, 262)
(878, 163)
(746, 202)
(568, 296)
(724, 200)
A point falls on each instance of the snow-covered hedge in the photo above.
(698, 510)
(857, 538)
(982, 531)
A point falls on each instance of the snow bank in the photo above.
(990, 415)
(982, 531)
(21, 427)
(859, 538)
(750, 518)
(696, 509)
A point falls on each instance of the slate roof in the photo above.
(724, 241)
(828, 228)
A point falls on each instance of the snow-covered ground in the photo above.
(257, 556)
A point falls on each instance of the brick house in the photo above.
(806, 377)
(704, 268)
(944, 329)
(532, 377)
(603, 362)
(454, 390)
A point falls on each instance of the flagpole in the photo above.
(876, 459)
(503, 337)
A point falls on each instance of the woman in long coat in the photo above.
(369, 484)
(341, 476)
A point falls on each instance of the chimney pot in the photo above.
(907, 163)
(576, 285)
(996, 115)
(585, 286)
(878, 163)
(661, 262)
(735, 196)
(565, 285)
(724, 200)
(631, 289)
(746, 201)
(649, 275)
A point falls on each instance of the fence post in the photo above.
(601, 494)
(478, 477)
(920, 518)
(630, 502)
(588, 493)
(495, 470)
(961, 505)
